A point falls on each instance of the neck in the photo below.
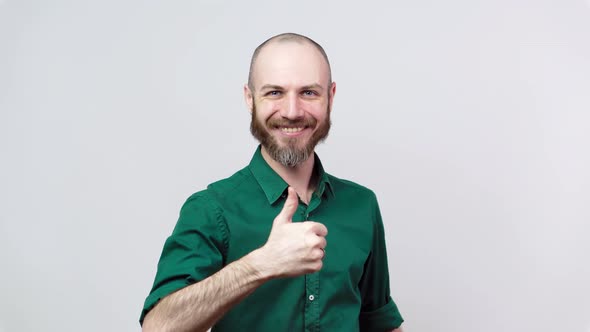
(299, 177)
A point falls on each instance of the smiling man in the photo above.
(281, 245)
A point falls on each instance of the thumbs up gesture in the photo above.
(293, 249)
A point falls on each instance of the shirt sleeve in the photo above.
(379, 312)
(194, 251)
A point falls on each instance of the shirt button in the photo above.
(311, 297)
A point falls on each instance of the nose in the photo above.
(291, 109)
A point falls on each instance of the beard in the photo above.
(291, 154)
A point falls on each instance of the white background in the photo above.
(469, 119)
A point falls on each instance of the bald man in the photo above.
(281, 245)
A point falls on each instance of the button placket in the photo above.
(312, 281)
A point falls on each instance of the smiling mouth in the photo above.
(291, 129)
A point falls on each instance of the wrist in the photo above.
(258, 264)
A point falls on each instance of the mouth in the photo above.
(291, 130)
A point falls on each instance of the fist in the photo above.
(293, 249)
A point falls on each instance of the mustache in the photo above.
(275, 123)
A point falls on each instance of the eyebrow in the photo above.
(271, 87)
(315, 86)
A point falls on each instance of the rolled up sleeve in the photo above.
(194, 251)
(379, 312)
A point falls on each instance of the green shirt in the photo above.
(234, 216)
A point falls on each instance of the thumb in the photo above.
(291, 203)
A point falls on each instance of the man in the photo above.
(251, 252)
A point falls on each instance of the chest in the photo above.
(349, 239)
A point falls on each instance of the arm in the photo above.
(292, 249)
(199, 306)
(378, 312)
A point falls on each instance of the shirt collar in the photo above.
(274, 186)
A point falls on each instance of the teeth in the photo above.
(291, 130)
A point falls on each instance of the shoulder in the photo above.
(231, 183)
(208, 205)
(356, 196)
(221, 189)
(343, 186)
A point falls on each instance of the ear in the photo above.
(248, 98)
(332, 93)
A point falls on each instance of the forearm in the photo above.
(199, 306)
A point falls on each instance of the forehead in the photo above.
(290, 63)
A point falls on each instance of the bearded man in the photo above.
(251, 253)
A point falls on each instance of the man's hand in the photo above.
(292, 249)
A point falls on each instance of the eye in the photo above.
(273, 93)
(309, 93)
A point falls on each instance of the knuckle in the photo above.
(318, 254)
(320, 243)
(318, 228)
(318, 265)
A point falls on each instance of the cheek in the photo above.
(262, 114)
(267, 108)
(318, 111)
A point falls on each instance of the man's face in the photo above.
(291, 101)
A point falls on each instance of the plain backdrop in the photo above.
(469, 119)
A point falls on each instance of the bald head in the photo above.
(286, 38)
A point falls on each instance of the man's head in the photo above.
(290, 95)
